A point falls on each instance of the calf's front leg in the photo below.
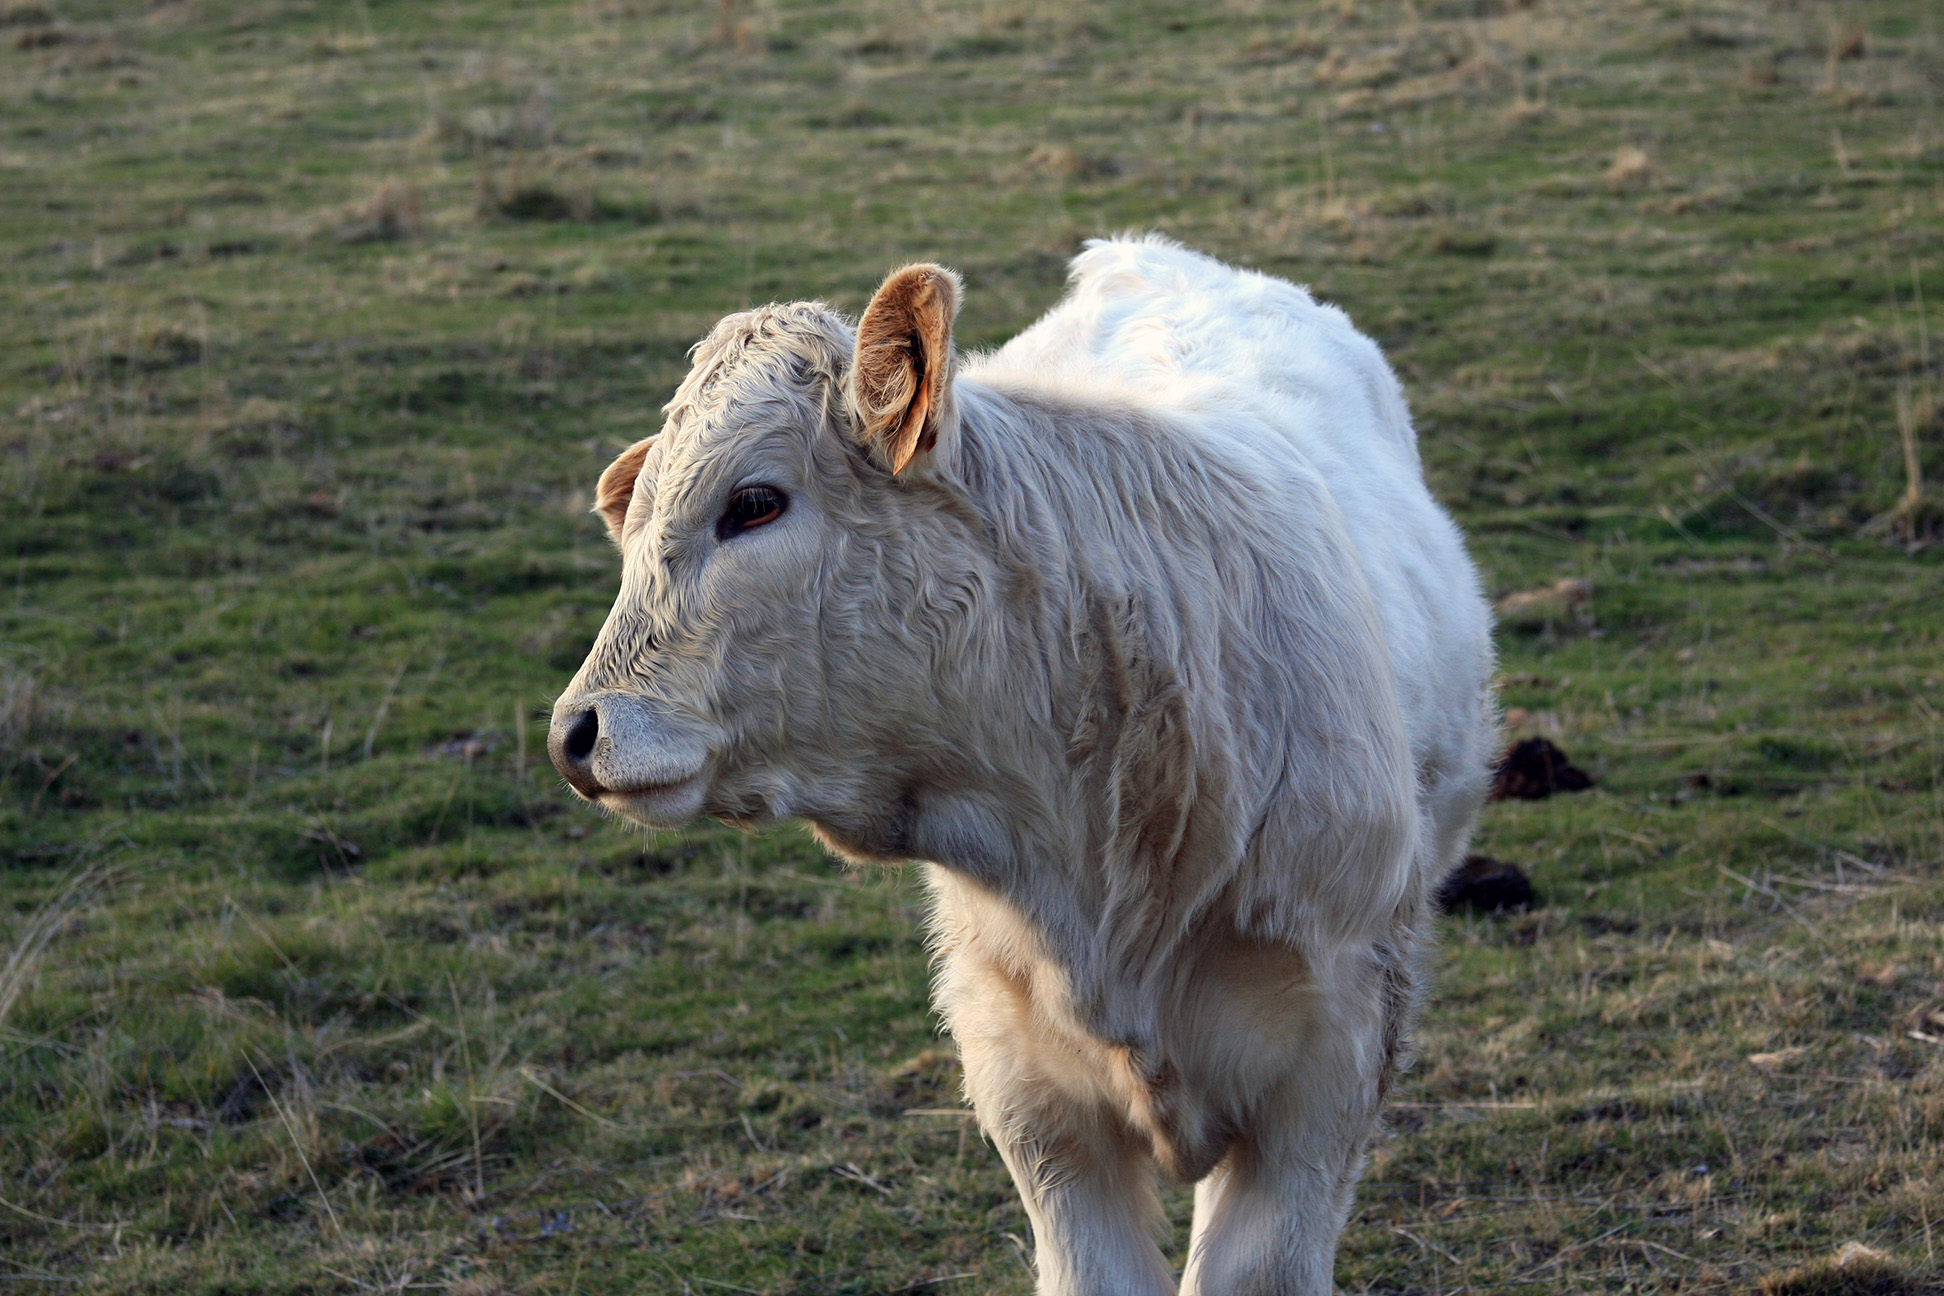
(1267, 1218)
(1086, 1179)
(1090, 1197)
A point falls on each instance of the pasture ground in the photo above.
(321, 318)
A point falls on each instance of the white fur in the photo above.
(1164, 659)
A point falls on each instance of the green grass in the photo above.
(321, 319)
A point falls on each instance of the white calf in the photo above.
(1145, 634)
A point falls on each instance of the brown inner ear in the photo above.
(904, 359)
(615, 490)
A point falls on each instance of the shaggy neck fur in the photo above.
(1134, 622)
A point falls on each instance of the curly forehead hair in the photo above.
(771, 354)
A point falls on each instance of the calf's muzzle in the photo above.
(620, 744)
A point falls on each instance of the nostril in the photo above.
(580, 739)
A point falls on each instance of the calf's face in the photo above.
(765, 658)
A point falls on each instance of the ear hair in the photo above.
(615, 490)
(903, 366)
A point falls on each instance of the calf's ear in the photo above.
(616, 487)
(900, 377)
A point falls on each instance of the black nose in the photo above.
(571, 744)
(579, 743)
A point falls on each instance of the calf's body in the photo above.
(1143, 633)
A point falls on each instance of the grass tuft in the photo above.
(1855, 1270)
(1631, 168)
(393, 212)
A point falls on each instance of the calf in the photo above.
(1144, 634)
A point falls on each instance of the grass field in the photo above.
(318, 320)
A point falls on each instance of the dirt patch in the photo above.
(1535, 769)
(1485, 885)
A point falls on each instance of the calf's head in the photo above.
(790, 557)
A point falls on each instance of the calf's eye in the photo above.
(752, 506)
